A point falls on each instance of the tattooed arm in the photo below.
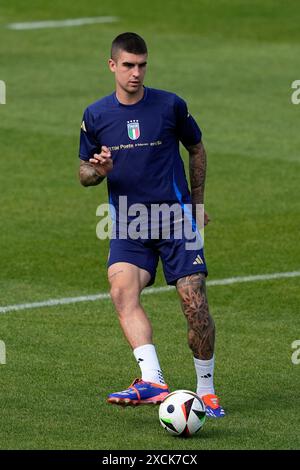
(197, 172)
(197, 165)
(88, 175)
(95, 170)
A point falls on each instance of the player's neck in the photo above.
(129, 98)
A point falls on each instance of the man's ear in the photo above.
(112, 65)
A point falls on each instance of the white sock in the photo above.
(205, 376)
(147, 360)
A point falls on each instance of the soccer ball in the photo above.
(182, 413)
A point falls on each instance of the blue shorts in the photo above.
(177, 261)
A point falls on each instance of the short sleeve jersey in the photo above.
(144, 142)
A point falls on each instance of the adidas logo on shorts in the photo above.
(198, 260)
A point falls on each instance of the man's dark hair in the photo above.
(129, 42)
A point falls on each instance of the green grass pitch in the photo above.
(234, 62)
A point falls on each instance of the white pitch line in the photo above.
(62, 23)
(148, 291)
(258, 277)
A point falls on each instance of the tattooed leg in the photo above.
(201, 327)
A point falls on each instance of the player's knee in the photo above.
(191, 289)
(192, 292)
(123, 299)
(118, 296)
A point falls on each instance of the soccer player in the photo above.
(131, 139)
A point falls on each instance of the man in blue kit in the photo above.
(131, 138)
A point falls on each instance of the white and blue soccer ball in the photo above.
(182, 413)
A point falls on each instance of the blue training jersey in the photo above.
(144, 142)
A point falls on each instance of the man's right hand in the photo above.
(102, 161)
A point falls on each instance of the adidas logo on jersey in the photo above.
(198, 260)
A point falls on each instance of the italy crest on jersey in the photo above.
(133, 129)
